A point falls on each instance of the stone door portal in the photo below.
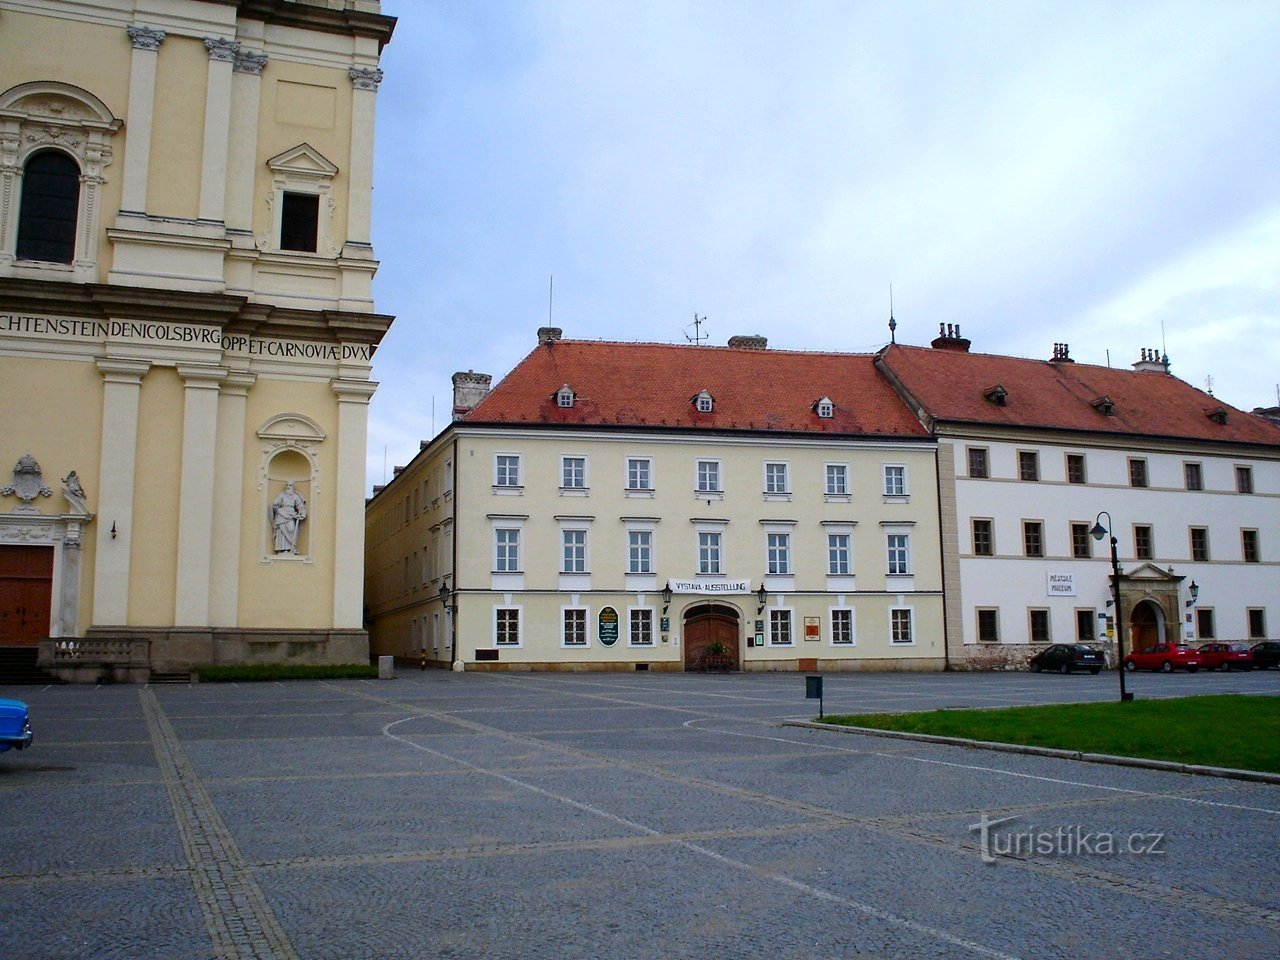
(26, 594)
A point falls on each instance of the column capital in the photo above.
(145, 38)
(201, 376)
(116, 370)
(237, 384)
(250, 62)
(353, 391)
(365, 78)
(220, 49)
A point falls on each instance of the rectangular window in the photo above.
(709, 476)
(1205, 628)
(1032, 538)
(575, 627)
(838, 554)
(639, 551)
(1199, 543)
(899, 559)
(708, 553)
(1137, 472)
(780, 628)
(1085, 624)
(642, 627)
(1075, 468)
(978, 468)
(775, 478)
(1028, 465)
(842, 627)
(1039, 622)
(989, 626)
(639, 473)
(1257, 623)
(506, 626)
(1193, 475)
(574, 552)
(895, 480)
(299, 222)
(1143, 546)
(1244, 479)
(573, 472)
(779, 554)
(900, 627)
(983, 539)
(1250, 551)
(1081, 541)
(837, 479)
(506, 470)
(506, 551)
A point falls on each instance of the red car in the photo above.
(1165, 656)
(1225, 656)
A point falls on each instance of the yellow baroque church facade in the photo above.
(186, 331)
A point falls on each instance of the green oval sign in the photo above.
(608, 626)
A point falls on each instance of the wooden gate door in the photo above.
(26, 594)
(705, 625)
(1144, 628)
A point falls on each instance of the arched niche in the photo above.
(289, 465)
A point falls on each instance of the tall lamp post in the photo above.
(1099, 531)
(450, 613)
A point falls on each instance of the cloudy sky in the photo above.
(1102, 174)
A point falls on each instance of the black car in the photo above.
(1065, 657)
(1266, 655)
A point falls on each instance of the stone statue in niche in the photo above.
(288, 511)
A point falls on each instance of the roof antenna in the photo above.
(893, 324)
(698, 335)
(1208, 385)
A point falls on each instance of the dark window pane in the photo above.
(299, 221)
(47, 215)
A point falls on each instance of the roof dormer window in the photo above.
(1218, 415)
(826, 409)
(565, 396)
(1104, 406)
(997, 395)
(704, 402)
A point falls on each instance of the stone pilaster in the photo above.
(947, 514)
(142, 98)
(228, 496)
(348, 535)
(242, 147)
(217, 127)
(195, 495)
(365, 82)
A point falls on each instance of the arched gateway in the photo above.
(708, 623)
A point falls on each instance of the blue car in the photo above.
(15, 729)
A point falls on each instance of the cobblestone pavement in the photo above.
(609, 816)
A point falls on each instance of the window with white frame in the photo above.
(574, 626)
(842, 634)
(574, 551)
(899, 554)
(709, 476)
(838, 555)
(775, 478)
(641, 634)
(639, 551)
(709, 552)
(704, 402)
(778, 546)
(895, 480)
(837, 479)
(826, 409)
(506, 550)
(780, 632)
(573, 473)
(900, 625)
(506, 470)
(639, 473)
(506, 626)
(564, 396)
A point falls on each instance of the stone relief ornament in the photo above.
(145, 38)
(365, 78)
(28, 482)
(288, 511)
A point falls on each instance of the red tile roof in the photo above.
(951, 386)
(653, 385)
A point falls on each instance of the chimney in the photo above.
(549, 334)
(1061, 353)
(468, 390)
(949, 338)
(750, 342)
(1152, 361)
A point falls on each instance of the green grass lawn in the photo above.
(1242, 732)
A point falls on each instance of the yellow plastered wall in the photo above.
(182, 74)
(153, 555)
(279, 594)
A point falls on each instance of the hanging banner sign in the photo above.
(719, 586)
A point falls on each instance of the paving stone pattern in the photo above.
(603, 816)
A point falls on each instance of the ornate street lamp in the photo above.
(449, 614)
(762, 597)
(1195, 594)
(1099, 531)
(666, 598)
